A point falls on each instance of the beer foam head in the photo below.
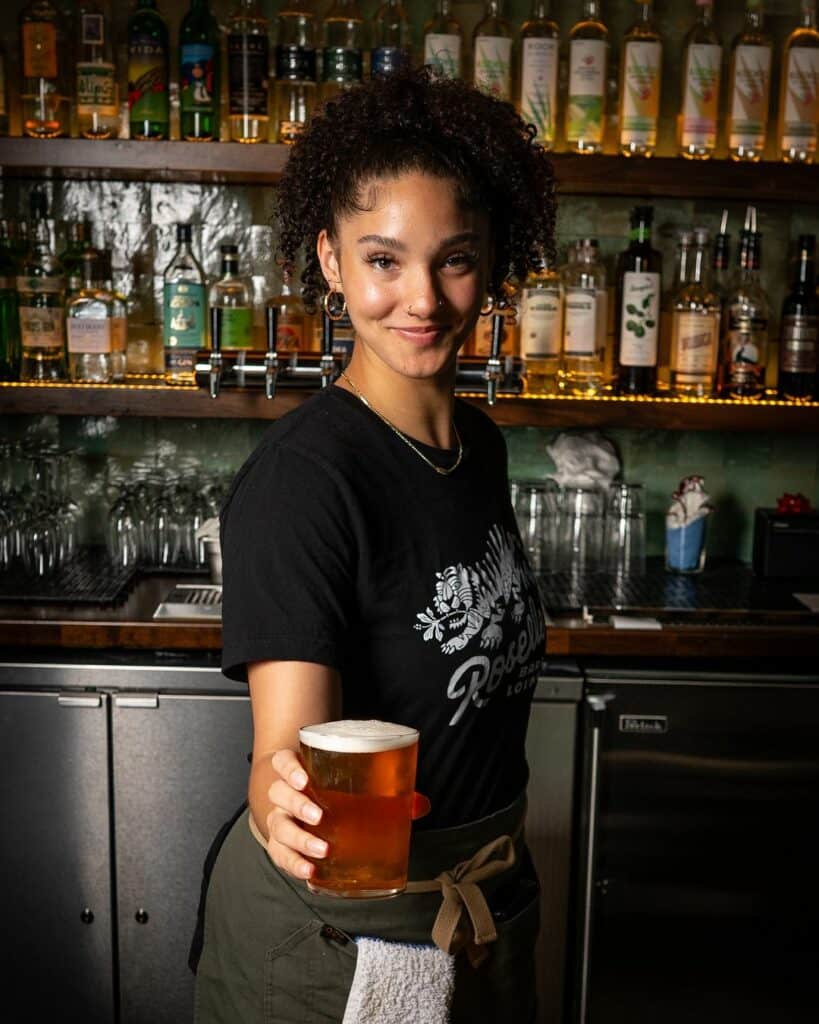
(358, 736)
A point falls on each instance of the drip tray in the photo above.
(191, 601)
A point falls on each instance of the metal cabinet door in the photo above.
(55, 856)
(180, 771)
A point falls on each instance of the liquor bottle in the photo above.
(702, 71)
(41, 298)
(343, 48)
(721, 263)
(9, 316)
(443, 38)
(584, 320)
(492, 52)
(391, 39)
(799, 326)
(292, 334)
(78, 239)
(231, 296)
(199, 74)
(295, 88)
(45, 93)
(541, 328)
(588, 58)
(539, 43)
(97, 94)
(799, 90)
(148, 109)
(749, 86)
(88, 327)
(640, 76)
(184, 304)
(248, 56)
(637, 315)
(695, 327)
(4, 109)
(119, 316)
(747, 317)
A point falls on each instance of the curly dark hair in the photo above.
(414, 121)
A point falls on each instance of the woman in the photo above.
(372, 567)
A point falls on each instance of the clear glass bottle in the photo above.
(232, 295)
(584, 320)
(702, 72)
(88, 327)
(295, 89)
(640, 77)
(148, 63)
(637, 312)
(539, 59)
(749, 86)
(97, 93)
(119, 316)
(248, 56)
(799, 328)
(541, 328)
(41, 298)
(184, 306)
(391, 39)
(9, 315)
(443, 41)
(77, 240)
(747, 319)
(199, 74)
(799, 90)
(45, 92)
(4, 96)
(695, 323)
(685, 245)
(588, 59)
(721, 263)
(492, 52)
(292, 328)
(343, 48)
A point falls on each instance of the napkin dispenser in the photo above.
(786, 544)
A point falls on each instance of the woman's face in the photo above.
(413, 269)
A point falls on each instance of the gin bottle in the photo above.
(295, 88)
(343, 48)
(46, 109)
(41, 297)
(184, 306)
(88, 326)
(199, 74)
(148, 107)
(492, 52)
(799, 90)
(97, 92)
(230, 296)
(750, 86)
(539, 43)
(640, 75)
(799, 327)
(541, 328)
(391, 39)
(695, 323)
(702, 71)
(9, 316)
(747, 317)
(443, 38)
(588, 58)
(584, 320)
(248, 57)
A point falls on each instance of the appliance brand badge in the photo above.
(644, 723)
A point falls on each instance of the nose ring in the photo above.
(439, 303)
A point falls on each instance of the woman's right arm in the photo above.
(284, 696)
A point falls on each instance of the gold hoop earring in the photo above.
(331, 309)
(488, 306)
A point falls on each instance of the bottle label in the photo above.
(41, 326)
(297, 63)
(801, 99)
(342, 65)
(147, 79)
(639, 319)
(749, 98)
(701, 100)
(540, 323)
(289, 333)
(184, 314)
(747, 350)
(587, 90)
(247, 73)
(641, 94)
(695, 352)
(483, 337)
(39, 49)
(91, 337)
(799, 347)
(385, 60)
(41, 285)
(96, 89)
(493, 66)
(580, 331)
(236, 327)
(92, 29)
(196, 81)
(119, 334)
(443, 54)
(538, 92)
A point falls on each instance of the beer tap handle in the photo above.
(328, 365)
(494, 372)
(215, 372)
(271, 359)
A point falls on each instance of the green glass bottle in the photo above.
(9, 323)
(148, 72)
(199, 74)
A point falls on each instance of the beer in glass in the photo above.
(362, 775)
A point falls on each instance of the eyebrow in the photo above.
(393, 243)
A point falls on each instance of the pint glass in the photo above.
(362, 775)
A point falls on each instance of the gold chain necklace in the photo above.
(438, 469)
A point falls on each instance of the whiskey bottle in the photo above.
(391, 39)
(492, 52)
(41, 298)
(292, 329)
(184, 304)
(148, 108)
(443, 37)
(199, 74)
(46, 109)
(588, 58)
(231, 297)
(9, 316)
(119, 316)
(799, 90)
(539, 45)
(799, 329)
(584, 320)
(637, 314)
(343, 48)
(97, 92)
(749, 86)
(248, 56)
(695, 322)
(702, 71)
(294, 92)
(541, 328)
(88, 326)
(640, 76)
(747, 317)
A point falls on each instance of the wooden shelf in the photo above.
(154, 398)
(234, 163)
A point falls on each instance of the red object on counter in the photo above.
(793, 504)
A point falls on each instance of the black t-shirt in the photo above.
(341, 546)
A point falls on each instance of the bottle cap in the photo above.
(702, 236)
(183, 232)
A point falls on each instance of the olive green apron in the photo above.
(278, 954)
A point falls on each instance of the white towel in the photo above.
(400, 983)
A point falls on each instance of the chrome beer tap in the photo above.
(215, 370)
(494, 370)
(327, 367)
(271, 359)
